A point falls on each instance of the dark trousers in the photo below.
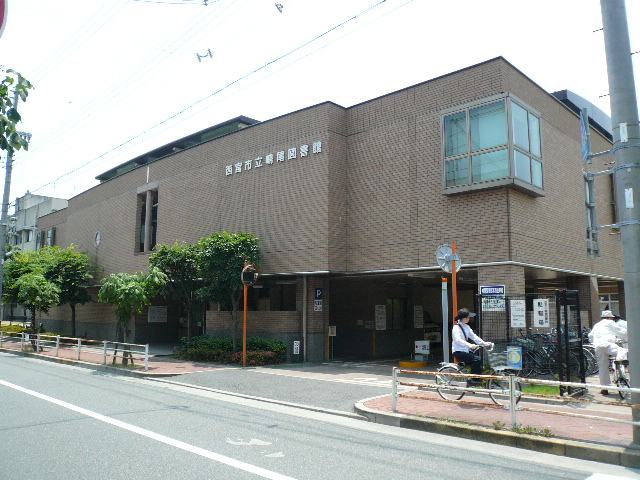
(470, 359)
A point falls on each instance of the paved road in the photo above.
(62, 422)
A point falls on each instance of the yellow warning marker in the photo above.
(412, 364)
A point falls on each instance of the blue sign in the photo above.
(497, 290)
(318, 294)
(514, 358)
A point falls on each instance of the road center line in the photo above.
(262, 472)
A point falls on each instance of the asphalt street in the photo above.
(63, 422)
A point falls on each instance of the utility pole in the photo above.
(626, 148)
(4, 211)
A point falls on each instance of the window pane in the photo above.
(490, 165)
(488, 126)
(523, 166)
(534, 135)
(455, 133)
(457, 172)
(520, 126)
(536, 173)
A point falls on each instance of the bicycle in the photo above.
(452, 375)
(620, 376)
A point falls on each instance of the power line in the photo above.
(134, 78)
(237, 80)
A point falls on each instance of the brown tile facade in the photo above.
(366, 208)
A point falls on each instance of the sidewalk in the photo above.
(475, 418)
(160, 364)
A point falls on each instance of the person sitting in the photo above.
(603, 337)
(462, 348)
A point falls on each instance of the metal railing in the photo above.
(96, 351)
(512, 393)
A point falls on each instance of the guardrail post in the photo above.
(79, 347)
(394, 390)
(37, 343)
(104, 360)
(22, 341)
(146, 357)
(512, 399)
(57, 344)
(1, 337)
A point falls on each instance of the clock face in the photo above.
(97, 239)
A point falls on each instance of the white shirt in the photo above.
(605, 333)
(458, 343)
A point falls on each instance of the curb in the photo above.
(625, 457)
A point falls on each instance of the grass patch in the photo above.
(541, 389)
(528, 430)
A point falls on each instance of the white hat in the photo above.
(607, 314)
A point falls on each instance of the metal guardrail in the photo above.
(513, 392)
(106, 348)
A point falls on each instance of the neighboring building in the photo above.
(24, 235)
(351, 204)
(28, 209)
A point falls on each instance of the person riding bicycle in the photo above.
(462, 348)
(603, 336)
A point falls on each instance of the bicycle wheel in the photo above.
(444, 380)
(623, 383)
(500, 394)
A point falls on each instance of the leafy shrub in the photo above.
(16, 328)
(260, 351)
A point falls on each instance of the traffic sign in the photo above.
(3, 15)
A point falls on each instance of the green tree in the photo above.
(70, 270)
(130, 294)
(222, 257)
(35, 292)
(180, 265)
(20, 265)
(10, 139)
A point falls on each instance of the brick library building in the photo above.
(351, 204)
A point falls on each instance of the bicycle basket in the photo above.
(497, 357)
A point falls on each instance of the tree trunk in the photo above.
(73, 319)
(235, 301)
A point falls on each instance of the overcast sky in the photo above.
(116, 78)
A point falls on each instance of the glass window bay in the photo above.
(492, 143)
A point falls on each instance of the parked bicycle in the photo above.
(456, 375)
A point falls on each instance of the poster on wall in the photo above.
(381, 317)
(418, 319)
(518, 313)
(157, 314)
(541, 313)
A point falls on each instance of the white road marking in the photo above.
(253, 441)
(262, 472)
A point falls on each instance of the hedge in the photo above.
(260, 351)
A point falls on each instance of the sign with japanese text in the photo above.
(518, 313)
(381, 317)
(271, 159)
(157, 314)
(541, 312)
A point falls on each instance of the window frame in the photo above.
(509, 181)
